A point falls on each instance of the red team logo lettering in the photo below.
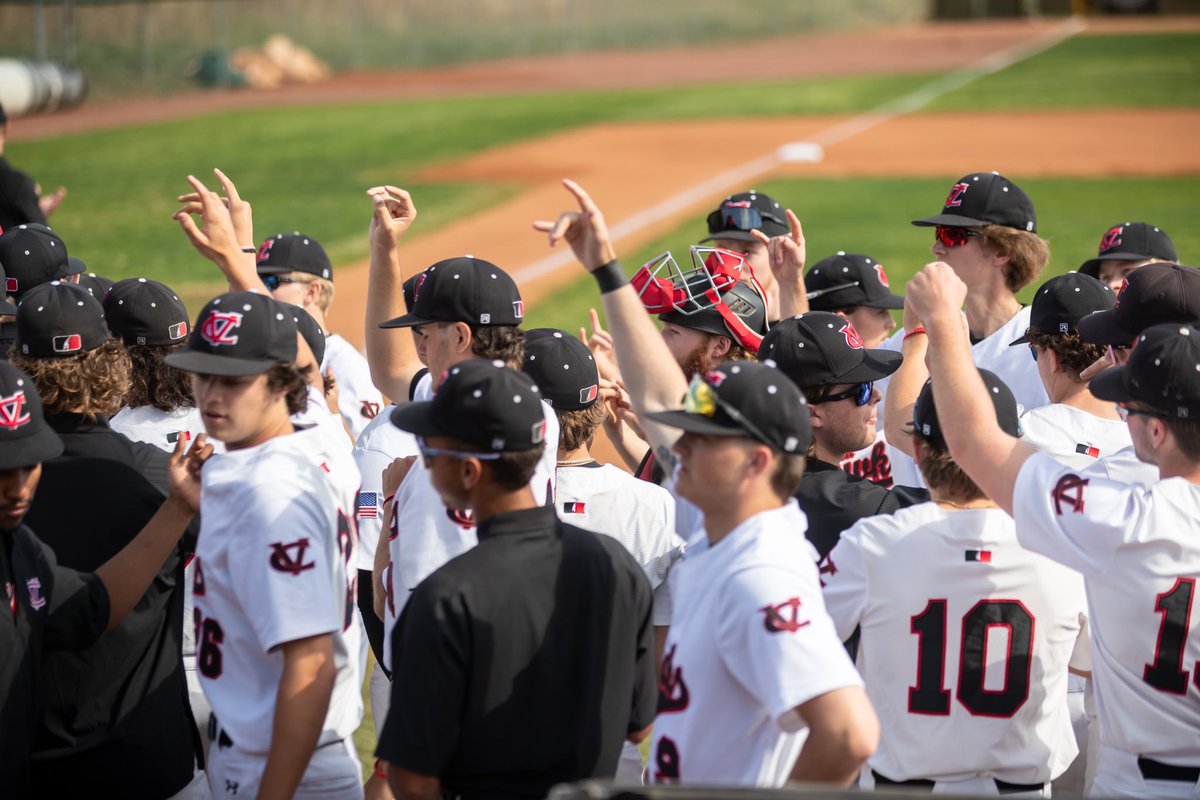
(463, 517)
(852, 337)
(289, 557)
(876, 467)
(1068, 491)
(370, 410)
(955, 197)
(784, 617)
(12, 411)
(219, 328)
(882, 275)
(264, 251)
(1111, 239)
(672, 690)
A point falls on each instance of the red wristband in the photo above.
(380, 772)
(915, 331)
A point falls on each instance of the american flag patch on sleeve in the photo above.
(368, 505)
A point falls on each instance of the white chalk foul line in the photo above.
(914, 100)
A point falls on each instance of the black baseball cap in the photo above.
(57, 319)
(146, 312)
(1150, 295)
(482, 403)
(1064, 300)
(1133, 241)
(1163, 372)
(820, 348)
(6, 305)
(97, 285)
(563, 369)
(25, 438)
(239, 333)
(745, 398)
(409, 290)
(314, 335)
(849, 279)
(293, 252)
(741, 213)
(925, 417)
(984, 198)
(464, 289)
(32, 254)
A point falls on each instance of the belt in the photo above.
(217, 734)
(924, 784)
(1158, 771)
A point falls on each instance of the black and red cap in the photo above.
(1064, 300)
(984, 198)
(563, 369)
(97, 285)
(25, 438)
(239, 333)
(1132, 241)
(925, 416)
(464, 289)
(144, 312)
(820, 349)
(849, 279)
(32, 254)
(482, 403)
(1163, 373)
(741, 213)
(293, 252)
(748, 399)
(58, 320)
(1151, 295)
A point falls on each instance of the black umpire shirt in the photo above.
(18, 198)
(115, 718)
(48, 606)
(522, 663)
(834, 500)
(84, 435)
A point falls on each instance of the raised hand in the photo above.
(240, 211)
(584, 230)
(601, 345)
(183, 470)
(935, 292)
(394, 213)
(787, 252)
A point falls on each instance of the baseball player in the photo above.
(600, 497)
(965, 635)
(274, 583)
(1136, 547)
(1124, 248)
(33, 254)
(752, 659)
(987, 232)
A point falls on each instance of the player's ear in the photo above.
(461, 332)
(719, 347)
(816, 415)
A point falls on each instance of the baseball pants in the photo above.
(1121, 774)
(333, 773)
(978, 787)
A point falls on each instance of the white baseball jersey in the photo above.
(160, 428)
(1138, 549)
(425, 534)
(1125, 467)
(638, 514)
(749, 642)
(881, 463)
(1072, 435)
(275, 564)
(378, 446)
(359, 401)
(966, 638)
(1012, 364)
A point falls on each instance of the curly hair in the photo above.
(505, 342)
(1027, 254)
(1074, 354)
(576, 428)
(293, 381)
(153, 383)
(94, 383)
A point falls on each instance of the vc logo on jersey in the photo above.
(784, 617)
(1069, 491)
(672, 691)
(289, 557)
(219, 328)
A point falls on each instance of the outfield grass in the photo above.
(872, 216)
(305, 168)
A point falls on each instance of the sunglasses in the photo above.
(953, 237)
(1033, 351)
(739, 218)
(702, 400)
(273, 281)
(428, 452)
(860, 393)
(1125, 412)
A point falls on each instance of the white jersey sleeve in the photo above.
(380, 444)
(844, 583)
(359, 402)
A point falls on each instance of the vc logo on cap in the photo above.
(955, 197)
(218, 329)
(12, 411)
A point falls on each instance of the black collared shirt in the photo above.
(91, 436)
(834, 500)
(18, 198)
(524, 662)
(45, 606)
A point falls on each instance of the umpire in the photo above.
(528, 660)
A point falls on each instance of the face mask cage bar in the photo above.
(662, 285)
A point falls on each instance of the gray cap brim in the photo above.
(695, 423)
(30, 450)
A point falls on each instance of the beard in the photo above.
(698, 361)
